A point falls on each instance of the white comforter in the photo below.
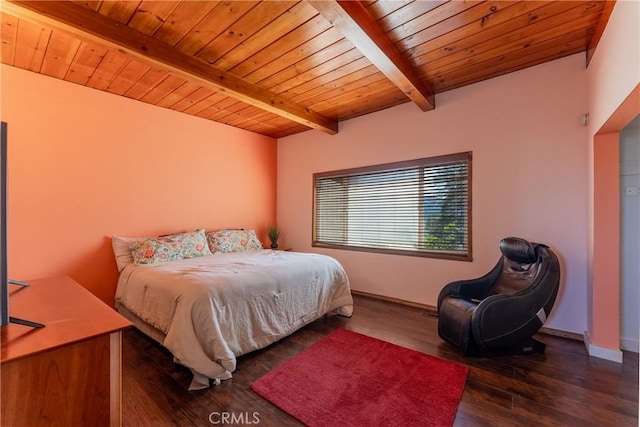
(214, 308)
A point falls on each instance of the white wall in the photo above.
(614, 70)
(630, 237)
(529, 178)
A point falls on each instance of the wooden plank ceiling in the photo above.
(282, 67)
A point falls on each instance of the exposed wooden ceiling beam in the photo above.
(602, 23)
(93, 27)
(357, 25)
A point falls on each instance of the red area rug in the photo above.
(349, 379)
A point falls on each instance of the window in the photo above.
(419, 207)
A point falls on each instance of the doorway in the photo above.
(630, 236)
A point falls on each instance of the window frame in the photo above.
(408, 164)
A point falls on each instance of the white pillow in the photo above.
(122, 249)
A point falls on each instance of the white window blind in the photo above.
(419, 207)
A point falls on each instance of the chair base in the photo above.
(528, 346)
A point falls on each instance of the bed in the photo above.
(210, 309)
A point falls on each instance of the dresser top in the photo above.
(69, 312)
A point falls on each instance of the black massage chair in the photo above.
(498, 313)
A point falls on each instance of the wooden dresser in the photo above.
(69, 372)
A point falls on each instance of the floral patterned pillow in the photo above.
(170, 248)
(223, 241)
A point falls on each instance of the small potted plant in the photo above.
(273, 232)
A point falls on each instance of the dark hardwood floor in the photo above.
(563, 387)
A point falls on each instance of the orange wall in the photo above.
(606, 271)
(604, 299)
(529, 178)
(85, 165)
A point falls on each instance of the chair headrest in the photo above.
(518, 250)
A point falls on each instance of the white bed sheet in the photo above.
(217, 307)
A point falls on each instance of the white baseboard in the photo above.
(611, 354)
(630, 344)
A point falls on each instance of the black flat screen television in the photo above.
(4, 256)
(4, 278)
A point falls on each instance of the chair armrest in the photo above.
(504, 319)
